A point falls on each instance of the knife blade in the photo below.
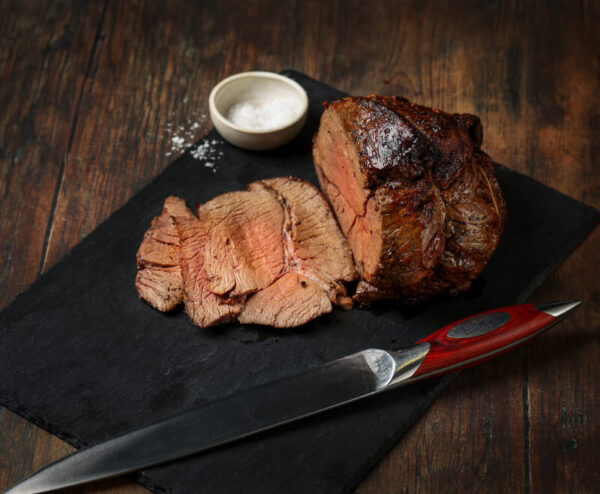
(459, 345)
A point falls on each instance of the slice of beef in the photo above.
(204, 307)
(271, 255)
(414, 194)
(158, 279)
(313, 243)
(290, 301)
(244, 248)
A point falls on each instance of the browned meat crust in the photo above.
(414, 194)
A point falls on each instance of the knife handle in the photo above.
(478, 338)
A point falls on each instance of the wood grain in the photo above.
(45, 50)
(94, 92)
(42, 67)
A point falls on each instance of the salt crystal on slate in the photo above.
(208, 152)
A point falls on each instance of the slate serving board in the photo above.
(83, 357)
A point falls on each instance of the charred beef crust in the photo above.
(431, 212)
(397, 139)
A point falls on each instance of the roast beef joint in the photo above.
(413, 192)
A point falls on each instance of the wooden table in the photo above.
(92, 94)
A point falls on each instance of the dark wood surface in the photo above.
(92, 94)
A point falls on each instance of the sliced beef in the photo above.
(204, 307)
(290, 301)
(158, 279)
(413, 192)
(314, 245)
(270, 255)
(244, 249)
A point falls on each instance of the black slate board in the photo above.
(81, 356)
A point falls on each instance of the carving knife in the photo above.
(461, 344)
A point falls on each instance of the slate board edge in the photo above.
(586, 228)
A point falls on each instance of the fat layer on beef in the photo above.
(413, 193)
(270, 255)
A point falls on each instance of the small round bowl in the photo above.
(248, 86)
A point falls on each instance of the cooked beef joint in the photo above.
(414, 195)
(270, 255)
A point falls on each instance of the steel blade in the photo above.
(242, 414)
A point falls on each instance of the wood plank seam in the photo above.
(292, 58)
(88, 69)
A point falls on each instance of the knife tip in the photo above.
(559, 309)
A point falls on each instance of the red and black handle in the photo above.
(486, 335)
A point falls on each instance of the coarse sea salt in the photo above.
(182, 137)
(264, 114)
(208, 152)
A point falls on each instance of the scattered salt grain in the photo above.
(183, 136)
(208, 151)
(264, 114)
(177, 141)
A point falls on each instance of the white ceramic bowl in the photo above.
(251, 86)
